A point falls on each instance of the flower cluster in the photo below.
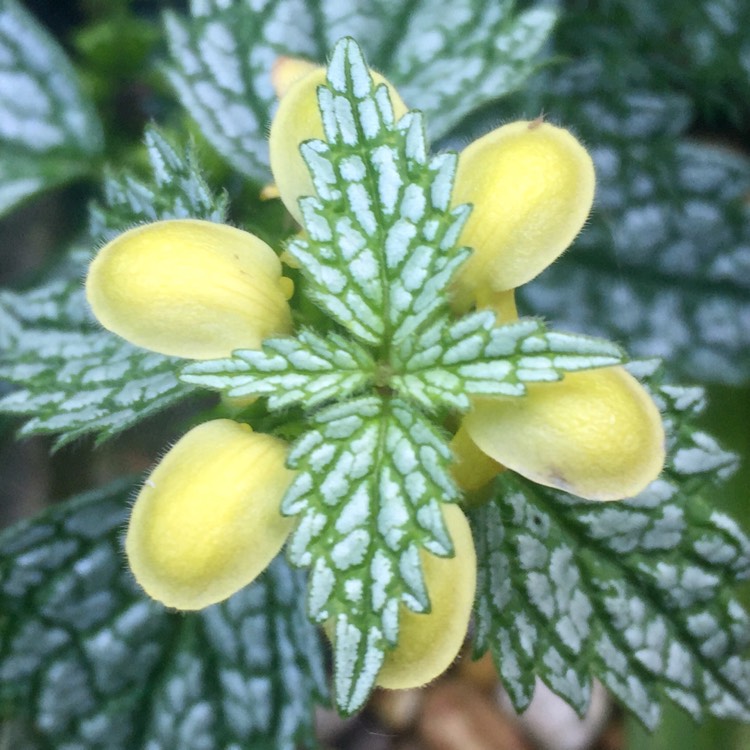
(207, 520)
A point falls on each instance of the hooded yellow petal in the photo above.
(189, 288)
(297, 120)
(596, 434)
(428, 643)
(532, 186)
(207, 520)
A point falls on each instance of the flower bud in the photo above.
(596, 433)
(189, 288)
(207, 520)
(428, 643)
(531, 185)
(297, 120)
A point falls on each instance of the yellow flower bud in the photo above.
(428, 643)
(596, 434)
(189, 288)
(298, 120)
(532, 186)
(207, 520)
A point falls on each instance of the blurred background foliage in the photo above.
(659, 92)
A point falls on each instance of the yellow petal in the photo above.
(596, 434)
(207, 520)
(189, 288)
(298, 120)
(428, 643)
(532, 186)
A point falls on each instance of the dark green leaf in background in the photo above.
(447, 58)
(664, 262)
(49, 132)
(222, 71)
(89, 662)
(451, 57)
(701, 48)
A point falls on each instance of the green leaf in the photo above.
(307, 370)
(372, 473)
(448, 59)
(454, 57)
(176, 190)
(637, 593)
(49, 132)
(23, 174)
(381, 236)
(76, 382)
(450, 360)
(221, 71)
(701, 49)
(664, 262)
(59, 302)
(90, 663)
(75, 378)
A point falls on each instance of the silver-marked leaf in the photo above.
(695, 458)
(377, 25)
(637, 593)
(447, 58)
(381, 236)
(77, 382)
(307, 369)
(222, 58)
(448, 361)
(176, 190)
(634, 593)
(455, 56)
(88, 662)
(372, 474)
(58, 303)
(49, 132)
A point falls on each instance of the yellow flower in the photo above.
(207, 520)
(531, 186)
(190, 288)
(596, 434)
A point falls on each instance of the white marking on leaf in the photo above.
(351, 550)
